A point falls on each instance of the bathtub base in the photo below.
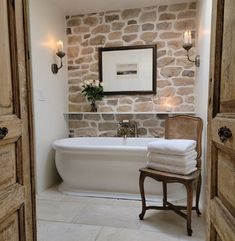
(66, 189)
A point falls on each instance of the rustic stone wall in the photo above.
(106, 124)
(161, 25)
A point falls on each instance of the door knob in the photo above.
(3, 132)
(224, 133)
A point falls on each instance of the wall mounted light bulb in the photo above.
(60, 53)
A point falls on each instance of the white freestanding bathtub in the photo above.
(106, 167)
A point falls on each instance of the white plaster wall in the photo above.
(47, 25)
(202, 78)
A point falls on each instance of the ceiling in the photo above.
(71, 7)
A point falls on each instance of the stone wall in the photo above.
(161, 25)
(106, 124)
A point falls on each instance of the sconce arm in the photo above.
(196, 61)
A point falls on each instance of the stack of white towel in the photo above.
(175, 156)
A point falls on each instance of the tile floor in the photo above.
(69, 218)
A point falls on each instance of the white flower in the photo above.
(102, 84)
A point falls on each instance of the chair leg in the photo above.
(164, 187)
(141, 186)
(189, 188)
(198, 194)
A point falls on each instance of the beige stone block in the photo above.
(117, 26)
(112, 102)
(70, 61)
(162, 8)
(91, 21)
(175, 100)
(170, 71)
(72, 68)
(74, 88)
(185, 24)
(73, 74)
(120, 117)
(115, 35)
(156, 132)
(167, 16)
(144, 116)
(73, 22)
(74, 108)
(161, 53)
(184, 62)
(78, 124)
(163, 83)
(175, 44)
(185, 91)
(114, 44)
(189, 99)
(151, 123)
(167, 92)
(87, 50)
(188, 73)
(111, 18)
(73, 81)
(107, 126)
(84, 59)
(193, 5)
(142, 131)
(76, 98)
(90, 77)
(129, 38)
(72, 52)
(148, 36)
(143, 99)
(164, 26)
(124, 108)
(94, 67)
(132, 21)
(180, 52)
(132, 29)
(138, 42)
(85, 43)
(106, 109)
(98, 40)
(143, 107)
(183, 81)
(178, 7)
(108, 117)
(95, 117)
(161, 44)
(147, 27)
(88, 132)
(185, 108)
(86, 36)
(125, 100)
(148, 17)
(108, 134)
(103, 28)
(187, 14)
(85, 66)
(130, 13)
(164, 61)
(170, 35)
(81, 29)
(74, 39)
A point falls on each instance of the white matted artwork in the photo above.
(128, 69)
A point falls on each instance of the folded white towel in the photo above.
(172, 169)
(175, 160)
(172, 146)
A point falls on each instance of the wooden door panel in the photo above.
(17, 222)
(7, 165)
(227, 94)
(222, 221)
(9, 229)
(5, 67)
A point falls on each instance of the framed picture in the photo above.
(128, 70)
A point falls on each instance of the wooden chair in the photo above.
(178, 127)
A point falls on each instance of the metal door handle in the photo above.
(224, 133)
(3, 132)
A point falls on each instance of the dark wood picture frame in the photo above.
(126, 48)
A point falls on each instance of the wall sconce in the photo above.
(187, 45)
(60, 53)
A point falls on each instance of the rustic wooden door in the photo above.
(221, 131)
(16, 186)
